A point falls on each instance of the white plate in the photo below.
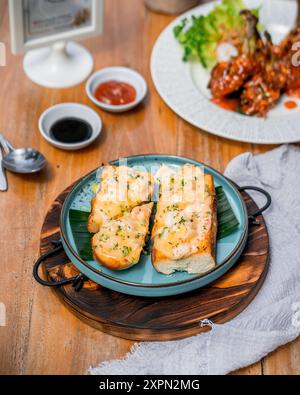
(183, 85)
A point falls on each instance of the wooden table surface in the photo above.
(41, 336)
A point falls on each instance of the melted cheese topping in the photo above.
(180, 228)
(182, 224)
(121, 189)
(122, 239)
(122, 183)
(184, 185)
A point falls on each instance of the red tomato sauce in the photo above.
(116, 93)
(290, 104)
(230, 104)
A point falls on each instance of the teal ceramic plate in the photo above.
(142, 279)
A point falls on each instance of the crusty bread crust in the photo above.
(109, 262)
(93, 224)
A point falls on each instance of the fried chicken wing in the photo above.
(258, 97)
(229, 77)
(286, 52)
(261, 72)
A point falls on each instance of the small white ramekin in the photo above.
(66, 110)
(123, 74)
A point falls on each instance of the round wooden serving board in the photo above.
(168, 318)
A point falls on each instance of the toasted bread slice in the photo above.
(119, 243)
(184, 232)
(121, 189)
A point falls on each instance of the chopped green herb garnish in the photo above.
(126, 250)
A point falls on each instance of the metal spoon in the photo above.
(3, 180)
(21, 160)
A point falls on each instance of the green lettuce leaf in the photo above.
(200, 36)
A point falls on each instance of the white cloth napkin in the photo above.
(273, 317)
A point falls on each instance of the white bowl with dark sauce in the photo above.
(70, 126)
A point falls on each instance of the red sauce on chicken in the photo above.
(230, 104)
(115, 93)
(293, 92)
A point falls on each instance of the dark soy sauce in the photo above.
(71, 130)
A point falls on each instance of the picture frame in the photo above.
(20, 11)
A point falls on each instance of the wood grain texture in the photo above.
(35, 321)
(169, 318)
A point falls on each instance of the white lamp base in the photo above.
(60, 66)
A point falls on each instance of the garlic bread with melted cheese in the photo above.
(119, 242)
(185, 227)
(121, 189)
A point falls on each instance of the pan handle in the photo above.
(252, 217)
(77, 281)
